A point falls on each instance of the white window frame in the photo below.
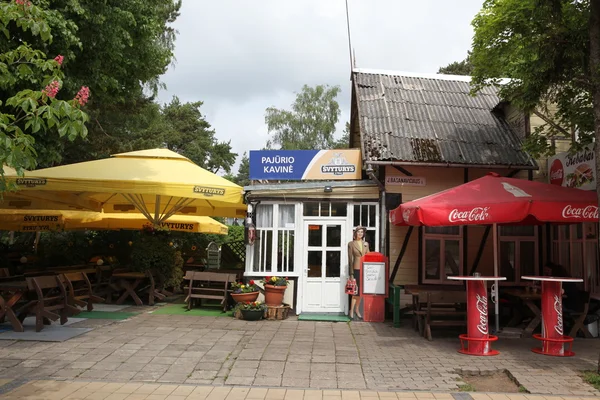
(261, 244)
(371, 229)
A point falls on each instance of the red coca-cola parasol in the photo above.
(493, 200)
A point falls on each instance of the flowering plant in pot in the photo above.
(275, 289)
(252, 310)
(243, 293)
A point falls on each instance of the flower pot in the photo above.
(252, 315)
(274, 295)
(244, 297)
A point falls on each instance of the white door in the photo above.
(324, 265)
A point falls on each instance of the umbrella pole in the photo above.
(157, 210)
(495, 294)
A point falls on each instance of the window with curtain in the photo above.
(517, 252)
(442, 254)
(273, 249)
(366, 215)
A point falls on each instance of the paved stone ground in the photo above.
(79, 390)
(220, 351)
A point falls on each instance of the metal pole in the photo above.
(495, 291)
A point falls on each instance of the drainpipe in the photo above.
(382, 208)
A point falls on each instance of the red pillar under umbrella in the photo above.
(493, 200)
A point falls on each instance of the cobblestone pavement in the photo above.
(73, 390)
(217, 351)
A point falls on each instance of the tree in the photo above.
(344, 141)
(310, 124)
(464, 67)
(119, 50)
(550, 50)
(243, 176)
(30, 83)
(187, 132)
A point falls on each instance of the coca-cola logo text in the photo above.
(557, 172)
(476, 214)
(589, 212)
(482, 308)
(559, 315)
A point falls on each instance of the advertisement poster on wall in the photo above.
(577, 170)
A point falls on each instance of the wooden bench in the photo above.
(207, 285)
(51, 298)
(440, 308)
(80, 293)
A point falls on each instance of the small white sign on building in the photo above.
(397, 180)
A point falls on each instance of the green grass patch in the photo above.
(593, 378)
(467, 387)
(105, 315)
(523, 389)
(181, 309)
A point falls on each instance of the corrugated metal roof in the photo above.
(433, 119)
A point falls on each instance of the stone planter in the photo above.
(274, 295)
(252, 315)
(244, 297)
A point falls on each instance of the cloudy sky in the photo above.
(240, 57)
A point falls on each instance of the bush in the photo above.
(155, 252)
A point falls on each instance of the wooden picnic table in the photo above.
(531, 301)
(15, 290)
(130, 281)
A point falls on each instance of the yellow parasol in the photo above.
(182, 223)
(42, 220)
(49, 220)
(159, 183)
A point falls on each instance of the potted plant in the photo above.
(274, 290)
(244, 293)
(252, 310)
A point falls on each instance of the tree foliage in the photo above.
(119, 50)
(30, 82)
(544, 48)
(187, 132)
(310, 124)
(464, 67)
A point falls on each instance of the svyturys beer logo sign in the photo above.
(40, 218)
(31, 182)
(178, 226)
(305, 164)
(338, 165)
(209, 191)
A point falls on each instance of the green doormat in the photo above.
(181, 309)
(323, 317)
(105, 315)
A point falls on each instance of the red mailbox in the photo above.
(374, 273)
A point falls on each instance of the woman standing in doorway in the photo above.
(357, 248)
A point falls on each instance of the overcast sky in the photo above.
(240, 57)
